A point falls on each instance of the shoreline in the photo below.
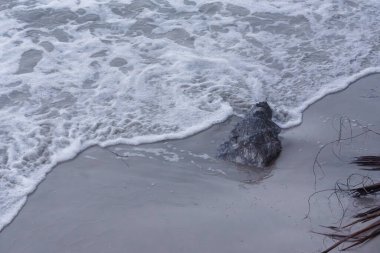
(71, 152)
(345, 83)
(160, 178)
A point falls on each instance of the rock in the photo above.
(254, 140)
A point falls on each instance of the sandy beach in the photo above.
(174, 196)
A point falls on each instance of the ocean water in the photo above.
(75, 73)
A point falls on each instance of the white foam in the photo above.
(335, 86)
(80, 73)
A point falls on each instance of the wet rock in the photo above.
(254, 140)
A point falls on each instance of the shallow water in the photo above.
(78, 73)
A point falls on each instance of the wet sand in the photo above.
(175, 197)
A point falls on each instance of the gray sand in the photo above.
(175, 197)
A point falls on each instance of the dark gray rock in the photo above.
(254, 140)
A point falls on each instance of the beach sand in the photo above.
(174, 196)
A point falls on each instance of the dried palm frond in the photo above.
(368, 161)
(356, 238)
(365, 190)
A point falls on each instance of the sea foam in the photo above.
(99, 72)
